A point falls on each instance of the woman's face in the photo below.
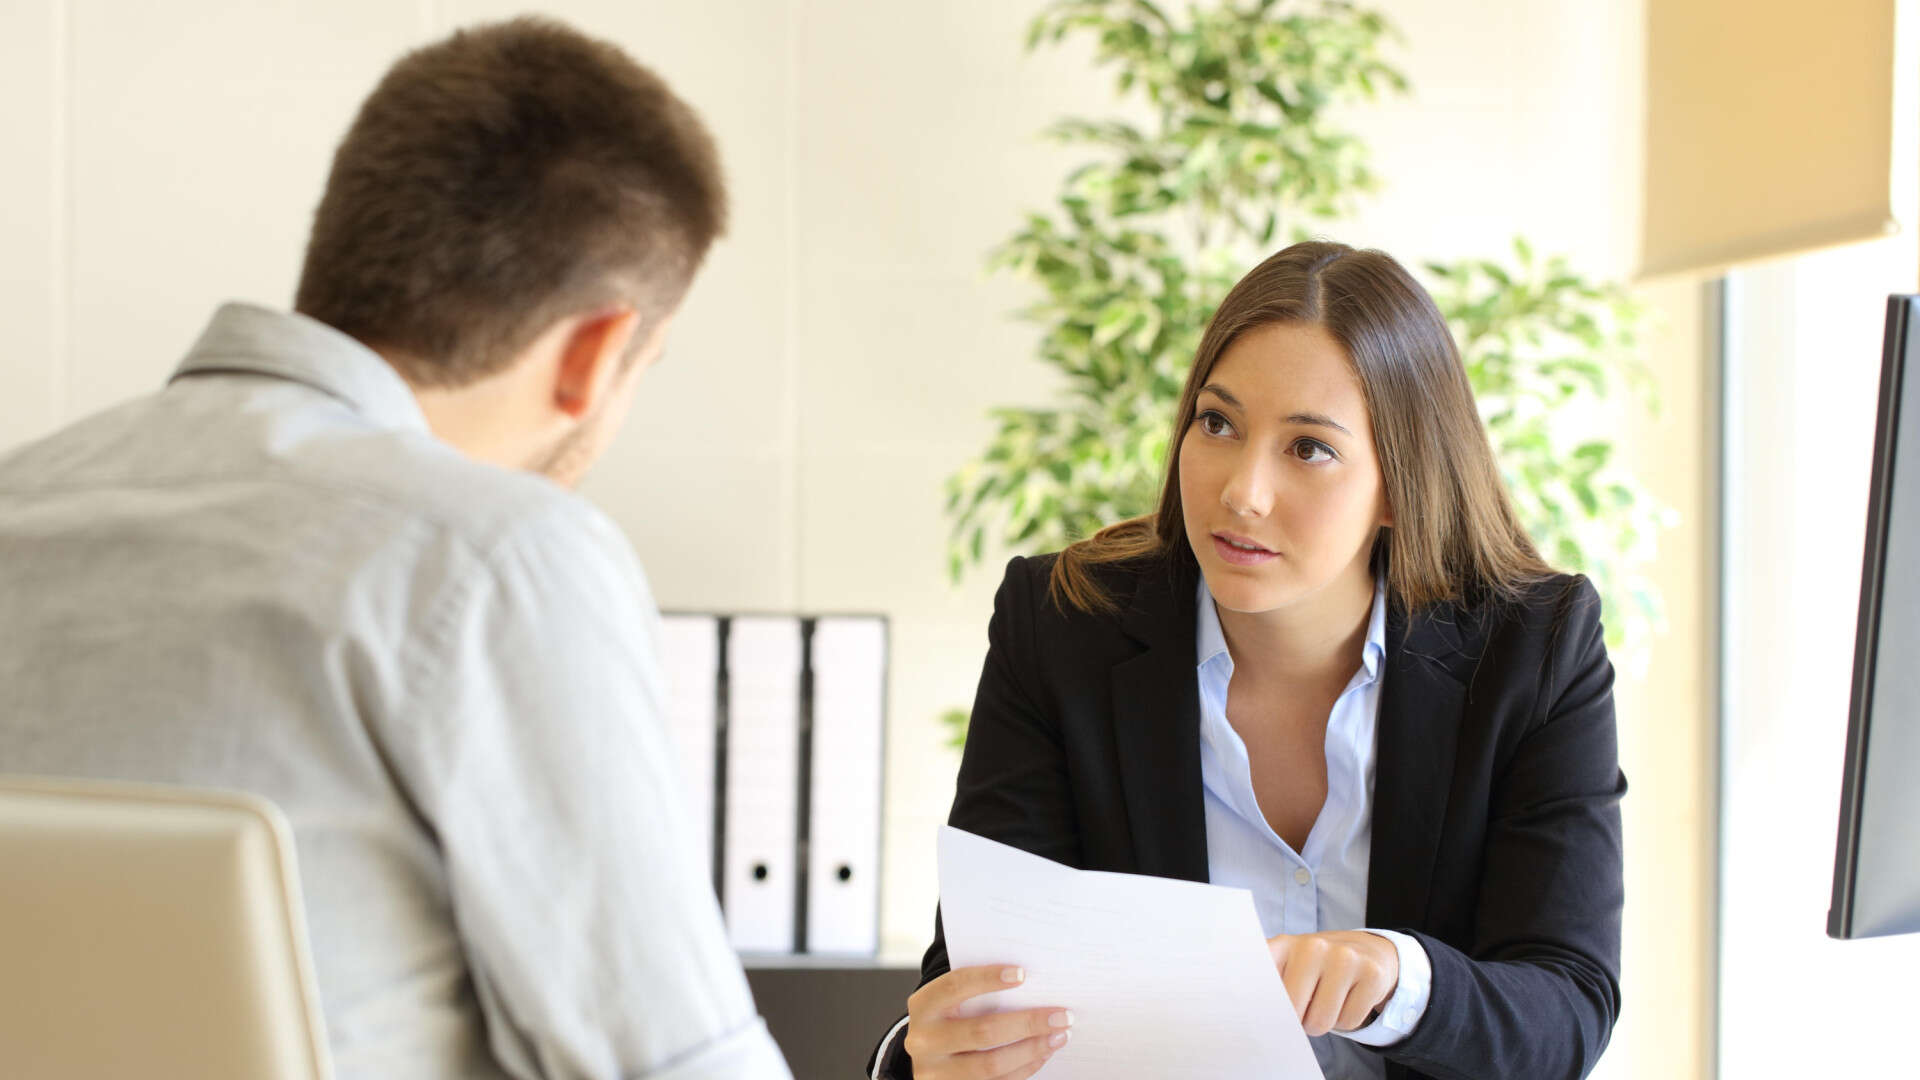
(1279, 482)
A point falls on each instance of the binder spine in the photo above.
(818, 910)
(803, 814)
(722, 701)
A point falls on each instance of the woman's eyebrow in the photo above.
(1223, 394)
(1318, 420)
(1308, 418)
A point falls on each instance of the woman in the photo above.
(1331, 669)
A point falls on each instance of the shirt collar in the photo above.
(1211, 641)
(1209, 638)
(288, 345)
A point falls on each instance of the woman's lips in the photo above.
(1235, 556)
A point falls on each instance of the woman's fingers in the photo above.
(1299, 958)
(980, 1033)
(1336, 979)
(1331, 992)
(991, 1046)
(961, 984)
(1371, 991)
(1023, 1058)
(1028, 1070)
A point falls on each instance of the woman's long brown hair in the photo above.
(1455, 535)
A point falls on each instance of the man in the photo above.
(335, 562)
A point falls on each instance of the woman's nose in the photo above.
(1248, 491)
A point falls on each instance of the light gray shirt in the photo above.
(271, 576)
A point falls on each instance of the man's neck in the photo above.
(484, 419)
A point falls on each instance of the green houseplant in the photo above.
(1241, 152)
(1547, 351)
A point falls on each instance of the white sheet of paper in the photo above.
(1165, 978)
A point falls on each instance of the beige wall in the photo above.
(836, 360)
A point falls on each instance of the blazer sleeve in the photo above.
(1013, 784)
(1538, 993)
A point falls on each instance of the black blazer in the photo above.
(1496, 821)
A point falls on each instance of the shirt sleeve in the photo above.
(1408, 1004)
(539, 755)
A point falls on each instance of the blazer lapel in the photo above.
(1156, 721)
(1416, 736)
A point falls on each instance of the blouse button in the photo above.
(1302, 876)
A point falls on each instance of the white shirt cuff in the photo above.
(880, 1055)
(1403, 1010)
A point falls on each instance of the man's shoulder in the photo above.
(486, 506)
(301, 469)
(517, 529)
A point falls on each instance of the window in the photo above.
(1801, 370)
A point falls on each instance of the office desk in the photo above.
(826, 1012)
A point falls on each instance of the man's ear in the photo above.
(591, 358)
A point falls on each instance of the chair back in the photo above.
(151, 931)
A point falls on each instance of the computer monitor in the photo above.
(1876, 871)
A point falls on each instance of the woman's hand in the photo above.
(1336, 979)
(995, 1046)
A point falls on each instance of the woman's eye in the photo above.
(1213, 423)
(1313, 452)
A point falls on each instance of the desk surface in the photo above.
(826, 1014)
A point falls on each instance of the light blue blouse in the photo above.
(1323, 887)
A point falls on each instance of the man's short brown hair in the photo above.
(500, 180)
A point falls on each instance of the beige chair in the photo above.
(153, 932)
